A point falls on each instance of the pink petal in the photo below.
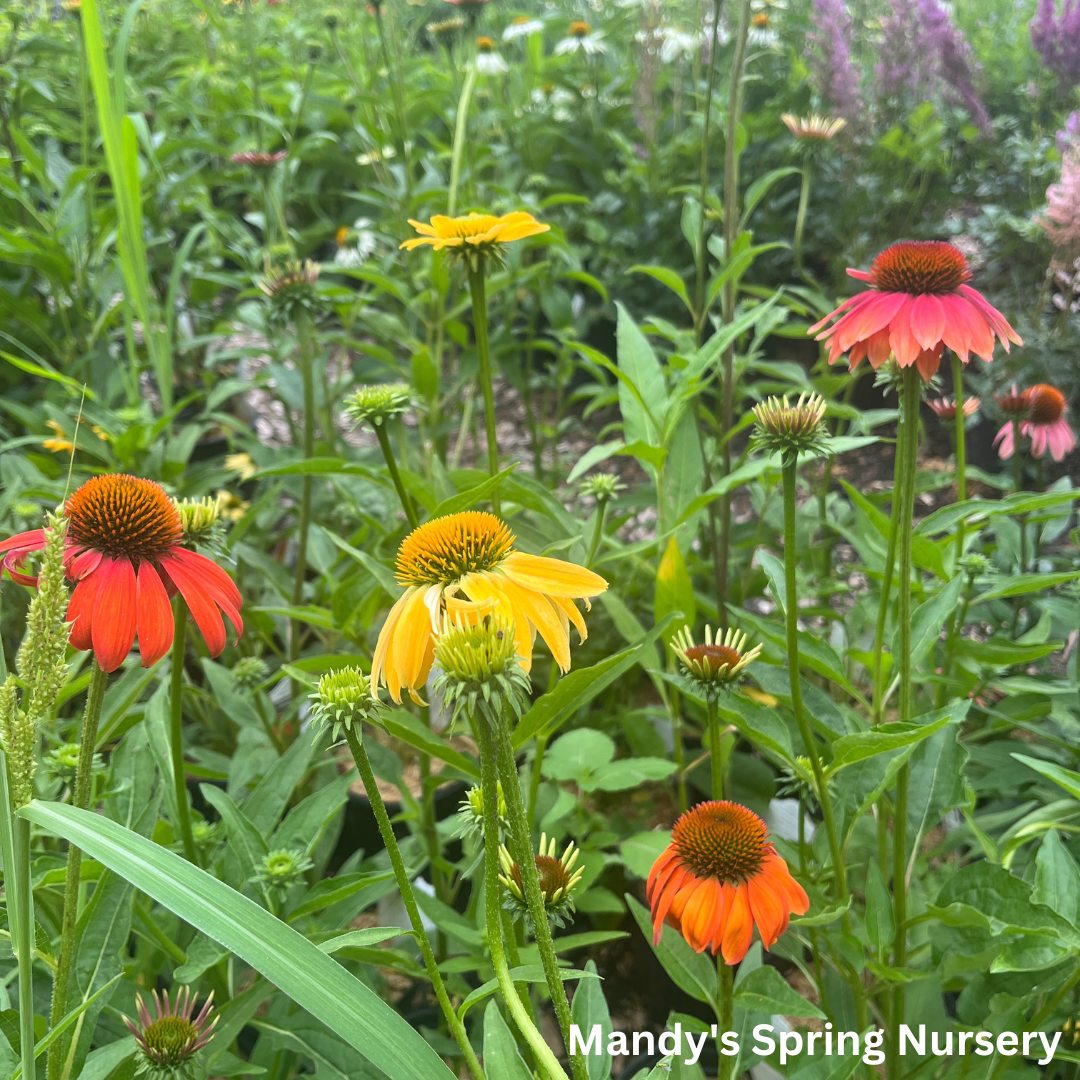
(869, 318)
(901, 339)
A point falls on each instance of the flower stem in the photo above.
(479, 301)
(726, 1014)
(24, 944)
(961, 447)
(305, 333)
(1018, 486)
(910, 439)
(461, 125)
(80, 798)
(800, 219)
(598, 531)
(886, 585)
(715, 759)
(253, 64)
(492, 889)
(700, 314)
(731, 232)
(521, 835)
(176, 729)
(391, 465)
(455, 1024)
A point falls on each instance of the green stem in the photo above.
(537, 770)
(598, 532)
(800, 219)
(726, 1014)
(80, 797)
(731, 232)
(305, 333)
(386, 830)
(700, 314)
(910, 439)
(479, 301)
(521, 835)
(461, 124)
(961, 447)
(176, 727)
(715, 759)
(24, 947)
(253, 63)
(391, 465)
(492, 889)
(886, 585)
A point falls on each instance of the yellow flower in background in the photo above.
(465, 565)
(242, 464)
(61, 444)
(483, 233)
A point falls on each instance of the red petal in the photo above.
(955, 335)
(113, 627)
(860, 275)
(928, 362)
(832, 314)
(215, 582)
(878, 348)
(202, 607)
(83, 564)
(993, 316)
(980, 332)
(876, 313)
(80, 612)
(27, 541)
(154, 615)
(927, 319)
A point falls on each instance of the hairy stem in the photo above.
(886, 585)
(492, 890)
(800, 219)
(715, 759)
(176, 727)
(479, 301)
(80, 797)
(521, 835)
(305, 333)
(24, 946)
(961, 447)
(391, 465)
(726, 1013)
(378, 807)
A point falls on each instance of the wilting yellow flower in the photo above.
(481, 232)
(61, 444)
(242, 464)
(231, 507)
(465, 565)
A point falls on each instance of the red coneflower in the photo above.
(124, 550)
(1043, 408)
(920, 301)
(719, 877)
(259, 159)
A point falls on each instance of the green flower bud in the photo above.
(791, 429)
(345, 700)
(292, 289)
(283, 868)
(601, 486)
(376, 404)
(249, 671)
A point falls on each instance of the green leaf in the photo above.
(692, 972)
(373, 935)
(645, 398)
(410, 729)
(502, 1059)
(928, 620)
(642, 850)
(291, 962)
(466, 499)
(765, 991)
(666, 277)
(1023, 585)
(674, 589)
(332, 890)
(1057, 878)
(1064, 778)
(849, 749)
(527, 973)
(760, 188)
(588, 1009)
(774, 571)
(267, 802)
(823, 918)
(246, 843)
(880, 924)
(382, 574)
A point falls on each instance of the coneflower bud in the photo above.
(601, 486)
(797, 780)
(283, 868)
(199, 519)
(479, 664)
(471, 812)
(376, 404)
(345, 700)
(791, 429)
(63, 761)
(249, 671)
(169, 1042)
(557, 880)
(715, 665)
(292, 290)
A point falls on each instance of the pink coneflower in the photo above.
(919, 302)
(946, 407)
(171, 1039)
(1044, 423)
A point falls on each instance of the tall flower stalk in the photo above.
(176, 727)
(344, 702)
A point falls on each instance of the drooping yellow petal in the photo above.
(552, 576)
(542, 613)
(569, 609)
(381, 665)
(412, 646)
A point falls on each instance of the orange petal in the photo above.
(739, 931)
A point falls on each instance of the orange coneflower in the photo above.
(919, 302)
(719, 877)
(464, 564)
(124, 550)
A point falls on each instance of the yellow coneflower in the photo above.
(483, 233)
(465, 565)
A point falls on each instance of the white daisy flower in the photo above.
(678, 44)
(522, 27)
(581, 36)
(488, 61)
(761, 33)
(356, 245)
